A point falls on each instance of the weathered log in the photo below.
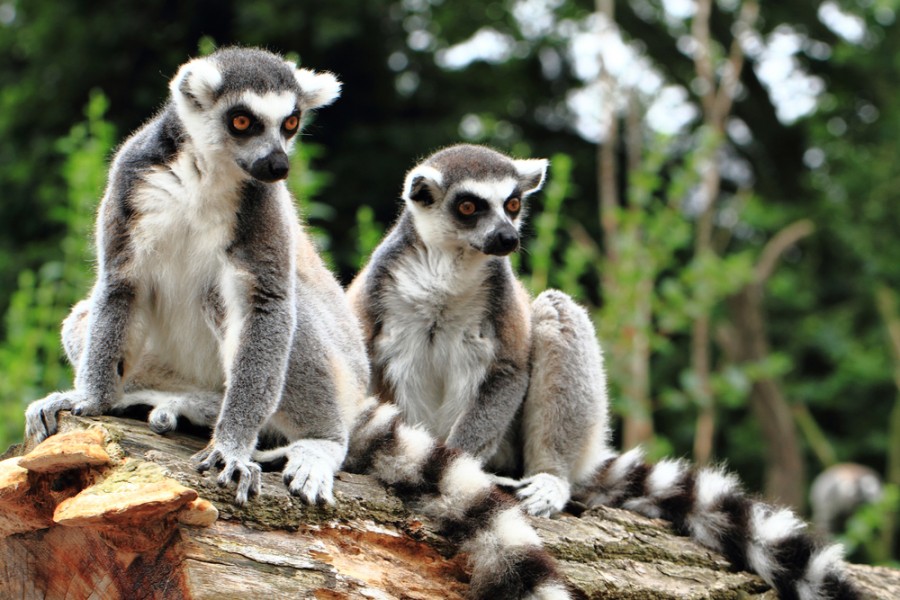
(125, 528)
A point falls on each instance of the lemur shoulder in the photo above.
(211, 303)
(459, 347)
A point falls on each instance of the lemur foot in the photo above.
(40, 416)
(163, 419)
(543, 494)
(249, 473)
(309, 472)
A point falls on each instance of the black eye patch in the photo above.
(242, 122)
(466, 207)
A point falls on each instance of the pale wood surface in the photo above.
(370, 545)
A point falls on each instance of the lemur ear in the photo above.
(531, 173)
(422, 184)
(319, 89)
(196, 83)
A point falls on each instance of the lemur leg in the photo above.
(40, 416)
(199, 407)
(565, 420)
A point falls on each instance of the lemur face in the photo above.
(472, 197)
(245, 107)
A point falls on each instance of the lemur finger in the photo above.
(326, 490)
(315, 488)
(86, 408)
(298, 478)
(206, 459)
(310, 492)
(227, 473)
(248, 481)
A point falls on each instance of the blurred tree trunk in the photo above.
(886, 299)
(630, 360)
(717, 97)
(748, 344)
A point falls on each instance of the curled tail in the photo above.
(710, 506)
(507, 559)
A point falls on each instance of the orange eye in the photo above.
(513, 205)
(241, 122)
(291, 123)
(466, 208)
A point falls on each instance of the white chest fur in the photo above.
(179, 241)
(435, 341)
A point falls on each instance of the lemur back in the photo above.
(457, 345)
(211, 303)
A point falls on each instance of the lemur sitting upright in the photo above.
(457, 345)
(211, 302)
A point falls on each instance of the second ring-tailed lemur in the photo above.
(458, 346)
(211, 302)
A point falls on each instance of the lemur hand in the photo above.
(249, 473)
(543, 494)
(40, 416)
(309, 472)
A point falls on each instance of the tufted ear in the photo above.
(423, 185)
(194, 86)
(531, 173)
(319, 89)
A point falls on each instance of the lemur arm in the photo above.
(483, 425)
(481, 428)
(259, 325)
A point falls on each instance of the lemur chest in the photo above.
(436, 342)
(180, 237)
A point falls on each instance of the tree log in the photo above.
(131, 527)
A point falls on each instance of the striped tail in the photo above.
(709, 506)
(506, 557)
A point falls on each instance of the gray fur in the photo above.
(210, 302)
(537, 407)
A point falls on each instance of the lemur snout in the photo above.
(273, 167)
(502, 242)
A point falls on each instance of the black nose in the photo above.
(502, 242)
(273, 167)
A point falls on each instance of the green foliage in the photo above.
(306, 184)
(865, 528)
(31, 357)
(367, 234)
(547, 228)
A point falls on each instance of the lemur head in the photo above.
(469, 196)
(243, 107)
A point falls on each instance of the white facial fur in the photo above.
(438, 228)
(204, 116)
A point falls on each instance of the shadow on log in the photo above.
(108, 510)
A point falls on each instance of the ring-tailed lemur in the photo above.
(211, 302)
(839, 491)
(457, 345)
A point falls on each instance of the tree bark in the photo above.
(369, 545)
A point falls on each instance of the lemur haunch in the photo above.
(456, 343)
(211, 302)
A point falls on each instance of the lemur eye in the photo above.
(466, 208)
(291, 123)
(241, 122)
(513, 205)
